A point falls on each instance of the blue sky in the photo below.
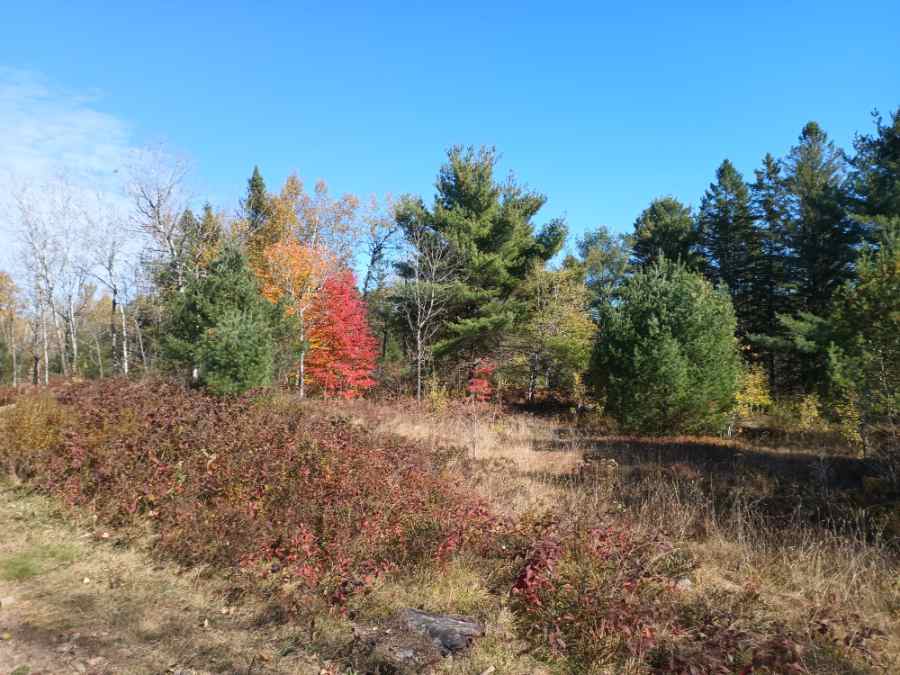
(600, 106)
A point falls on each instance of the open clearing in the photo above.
(80, 598)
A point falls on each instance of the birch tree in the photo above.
(428, 271)
(156, 187)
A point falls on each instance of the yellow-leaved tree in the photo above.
(293, 273)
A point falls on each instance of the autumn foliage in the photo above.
(278, 494)
(337, 348)
(342, 349)
(479, 385)
(293, 272)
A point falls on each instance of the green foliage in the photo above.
(822, 239)
(236, 354)
(195, 243)
(256, 206)
(666, 359)
(876, 175)
(729, 240)
(666, 229)
(554, 336)
(769, 293)
(222, 327)
(865, 357)
(490, 227)
(604, 258)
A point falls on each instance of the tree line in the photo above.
(791, 273)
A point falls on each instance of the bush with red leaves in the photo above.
(609, 595)
(479, 385)
(266, 489)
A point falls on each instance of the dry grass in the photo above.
(729, 503)
(750, 513)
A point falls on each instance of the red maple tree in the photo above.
(480, 386)
(343, 352)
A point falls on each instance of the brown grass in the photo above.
(791, 523)
(796, 525)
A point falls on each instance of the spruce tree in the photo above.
(256, 205)
(729, 240)
(822, 239)
(875, 178)
(769, 292)
(666, 229)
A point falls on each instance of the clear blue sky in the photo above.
(601, 106)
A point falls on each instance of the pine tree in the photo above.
(729, 238)
(666, 229)
(876, 173)
(220, 328)
(666, 358)
(490, 227)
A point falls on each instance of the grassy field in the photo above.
(723, 553)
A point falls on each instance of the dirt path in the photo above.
(74, 601)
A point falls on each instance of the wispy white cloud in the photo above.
(45, 129)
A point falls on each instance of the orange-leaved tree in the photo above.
(343, 352)
(294, 273)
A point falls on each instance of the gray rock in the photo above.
(450, 634)
(412, 641)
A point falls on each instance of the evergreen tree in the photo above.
(490, 227)
(769, 293)
(865, 354)
(256, 206)
(819, 243)
(221, 328)
(730, 240)
(666, 358)
(822, 239)
(666, 229)
(876, 173)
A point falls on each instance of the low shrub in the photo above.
(594, 596)
(609, 598)
(312, 504)
(28, 430)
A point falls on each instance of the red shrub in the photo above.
(606, 595)
(274, 492)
